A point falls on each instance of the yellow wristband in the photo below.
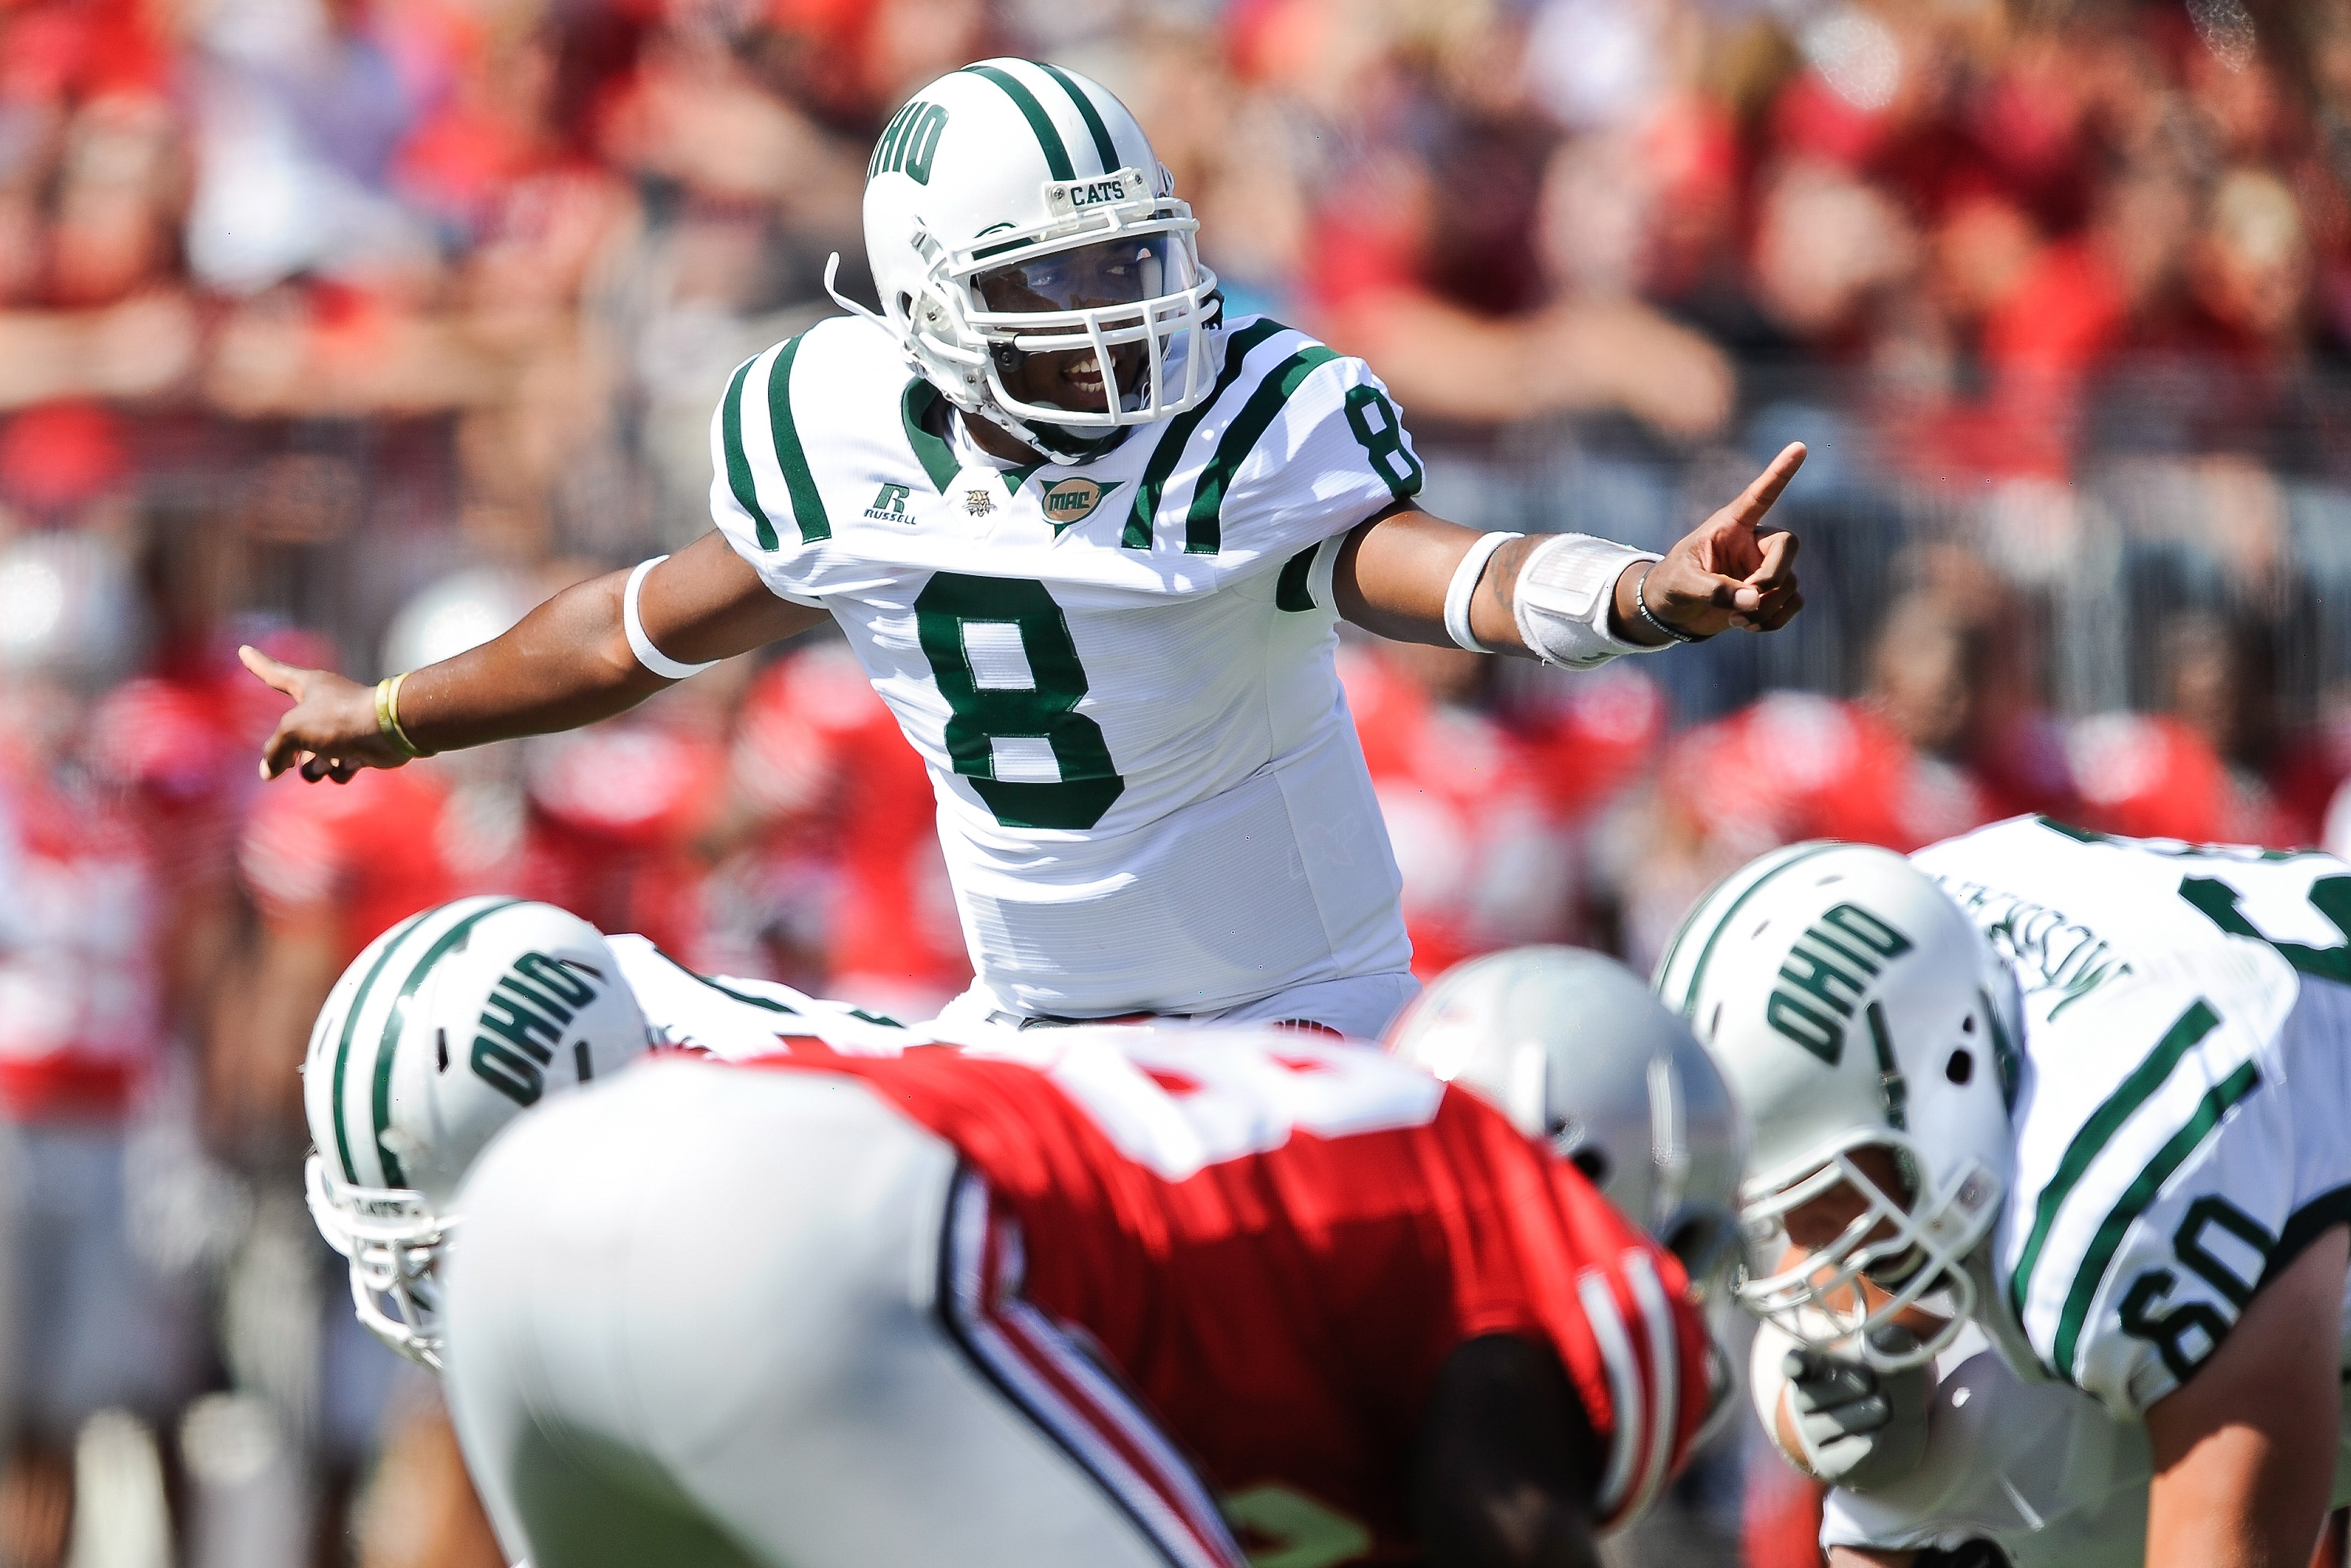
(387, 715)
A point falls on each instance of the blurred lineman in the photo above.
(1039, 1270)
(2063, 1110)
(1102, 606)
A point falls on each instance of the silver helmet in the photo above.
(1573, 1049)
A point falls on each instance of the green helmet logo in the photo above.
(1826, 973)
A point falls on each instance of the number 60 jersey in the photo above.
(2183, 1115)
(1150, 793)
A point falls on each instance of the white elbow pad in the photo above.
(1563, 595)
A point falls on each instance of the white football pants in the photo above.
(706, 1317)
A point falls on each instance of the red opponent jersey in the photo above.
(1275, 1243)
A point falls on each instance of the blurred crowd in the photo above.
(351, 329)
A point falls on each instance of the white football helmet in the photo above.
(1850, 1004)
(1573, 1049)
(449, 1026)
(1014, 208)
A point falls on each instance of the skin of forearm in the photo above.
(2244, 1450)
(564, 665)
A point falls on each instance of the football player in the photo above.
(2071, 1101)
(1038, 1272)
(455, 1020)
(1090, 540)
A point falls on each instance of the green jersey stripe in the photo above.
(739, 462)
(1104, 148)
(398, 1016)
(1049, 135)
(1706, 954)
(351, 1028)
(1290, 591)
(2089, 1142)
(1178, 433)
(1203, 524)
(808, 505)
(2135, 1201)
(767, 1003)
(937, 458)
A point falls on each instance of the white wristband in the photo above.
(1464, 585)
(1563, 598)
(651, 657)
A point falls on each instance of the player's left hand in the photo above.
(1728, 571)
(1860, 1427)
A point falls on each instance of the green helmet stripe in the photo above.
(1103, 147)
(2150, 1075)
(1706, 954)
(1049, 136)
(351, 1028)
(1203, 524)
(398, 1015)
(1169, 450)
(2135, 1200)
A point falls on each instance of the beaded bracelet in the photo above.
(1642, 604)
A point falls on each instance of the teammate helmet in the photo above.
(1016, 209)
(1573, 1049)
(449, 1026)
(1850, 1005)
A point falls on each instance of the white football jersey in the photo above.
(2183, 1109)
(734, 1018)
(1120, 675)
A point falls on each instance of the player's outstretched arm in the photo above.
(1392, 575)
(1507, 1464)
(2244, 1450)
(566, 664)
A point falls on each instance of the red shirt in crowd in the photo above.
(1486, 859)
(2150, 776)
(1796, 766)
(362, 856)
(81, 1020)
(820, 755)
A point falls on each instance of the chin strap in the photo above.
(832, 270)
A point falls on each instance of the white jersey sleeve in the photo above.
(1316, 448)
(2179, 1121)
(736, 1019)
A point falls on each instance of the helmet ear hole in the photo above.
(1593, 1160)
(1961, 1067)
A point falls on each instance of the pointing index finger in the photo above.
(271, 672)
(1757, 498)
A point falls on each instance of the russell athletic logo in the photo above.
(522, 1027)
(889, 505)
(1826, 973)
